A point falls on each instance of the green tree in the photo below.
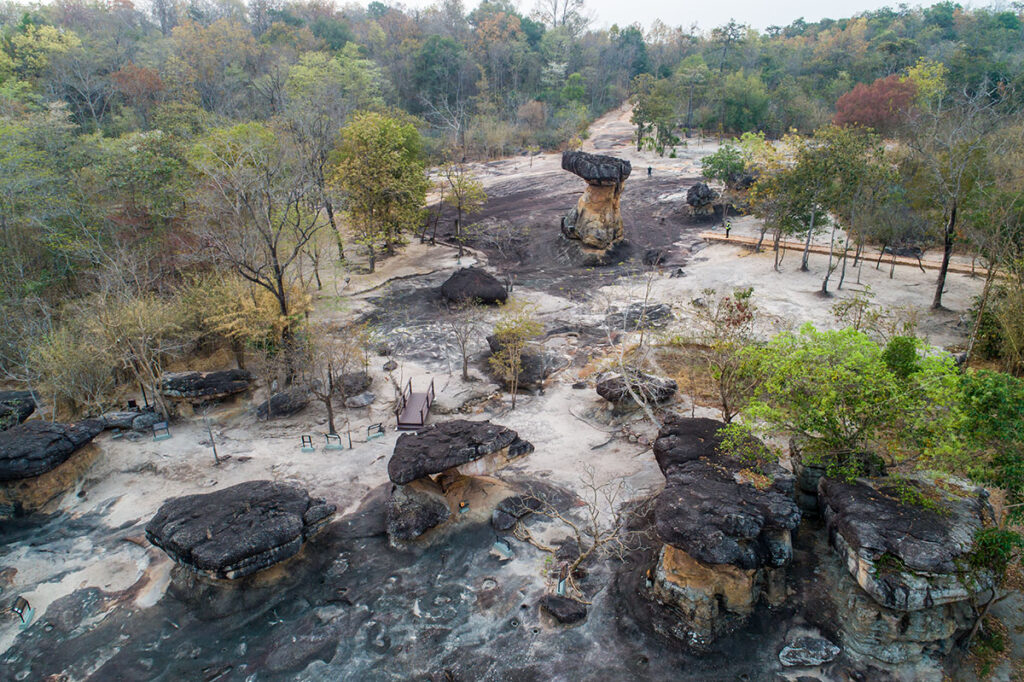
(463, 192)
(513, 332)
(380, 172)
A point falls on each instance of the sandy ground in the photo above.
(570, 428)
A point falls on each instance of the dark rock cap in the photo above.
(473, 284)
(442, 446)
(614, 388)
(204, 385)
(35, 447)
(237, 531)
(709, 510)
(596, 169)
(874, 522)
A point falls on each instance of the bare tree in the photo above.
(600, 527)
(464, 319)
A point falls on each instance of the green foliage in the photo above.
(724, 165)
(901, 356)
(836, 392)
(994, 550)
(992, 427)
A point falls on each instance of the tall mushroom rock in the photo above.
(596, 221)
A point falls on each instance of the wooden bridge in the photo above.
(413, 408)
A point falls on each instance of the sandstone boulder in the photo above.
(353, 383)
(201, 386)
(701, 197)
(448, 445)
(596, 169)
(808, 651)
(237, 531)
(473, 284)
(15, 407)
(36, 447)
(537, 365)
(614, 388)
(283, 404)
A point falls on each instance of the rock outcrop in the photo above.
(596, 221)
(237, 531)
(701, 198)
(15, 407)
(726, 528)
(33, 448)
(898, 585)
(536, 365)
(566, 611)
(473, 285)
(614, 388)
(639, 316)
(353, 383)
(40, 461)
(283, 404)
(203, 386)
(434, 471)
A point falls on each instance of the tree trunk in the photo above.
(373, 258)
(778, 236)
(947, 253)
(465, 365)
(981, 311)
(328, 403)
(842, 272)
(807, 245)
(334, 226)
(829, 269)
(881, 254)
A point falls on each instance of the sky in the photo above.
(757, 13)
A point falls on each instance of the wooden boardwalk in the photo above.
(961, 268)
(413, 408)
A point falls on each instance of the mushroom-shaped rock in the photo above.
(906, 556)
(452, 444)
(473, 284)
(199, 386)
(237, 531)
(36, 447)
(616, 389)
(596, 221)
(15, 407)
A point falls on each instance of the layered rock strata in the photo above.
(726, 528)
(203, 386)
(235, 532)
(903, 597)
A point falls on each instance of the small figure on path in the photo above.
(650, 169)
(728, 226)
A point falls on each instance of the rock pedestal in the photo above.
(237, 531)
(596, 221)
(433, 471)
(898, 586)
(615, 388)
(726, 529)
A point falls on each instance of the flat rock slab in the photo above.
(473, 285)
(808, 651)
(714, 507)
(596, 169)
(237, 531)
(204, 385)
(444, 446)
(637, 316)
(35, 447)
(15, 407)
(905, 555)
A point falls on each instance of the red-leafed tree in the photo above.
(877, 105)
(141, 87)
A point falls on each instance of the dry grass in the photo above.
(683, 363)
